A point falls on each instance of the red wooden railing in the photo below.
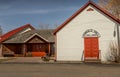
(38, 54)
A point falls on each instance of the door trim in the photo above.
(92, 54)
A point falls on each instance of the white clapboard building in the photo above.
(89, 34)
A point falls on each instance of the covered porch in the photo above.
(31, 44)
(27, 50)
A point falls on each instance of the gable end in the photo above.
(81, 9)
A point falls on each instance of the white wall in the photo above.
(70, 43)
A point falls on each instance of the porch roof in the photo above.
(45, 34)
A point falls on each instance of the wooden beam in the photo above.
(1, 52)
(49, 49)
(24, 49)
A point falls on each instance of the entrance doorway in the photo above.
(91, 48)
(91, 44)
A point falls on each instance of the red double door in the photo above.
(91, 48)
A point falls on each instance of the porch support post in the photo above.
(49, 49)
(24, 49)
(1, 47)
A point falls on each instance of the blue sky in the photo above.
(16, 13)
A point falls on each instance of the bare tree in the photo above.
(113, 52)
(48, 26)
(44, 26)
(1, 31)
(55, 25)
(113, 6)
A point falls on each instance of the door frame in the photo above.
(92, 57)
(91, 33)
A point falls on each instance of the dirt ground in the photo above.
(59, 70)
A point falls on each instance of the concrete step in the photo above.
(92, 61)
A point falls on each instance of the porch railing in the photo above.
(82, 58)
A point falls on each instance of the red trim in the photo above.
(13, 32)
(90, 9)
(49, 48)
(81, 9)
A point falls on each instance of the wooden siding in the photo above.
(36, 39)
(70, 42)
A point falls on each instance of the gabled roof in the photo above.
(35, 34)
(46, 35)
(13, 32)
(81, 9)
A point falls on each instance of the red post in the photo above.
(49, 48)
